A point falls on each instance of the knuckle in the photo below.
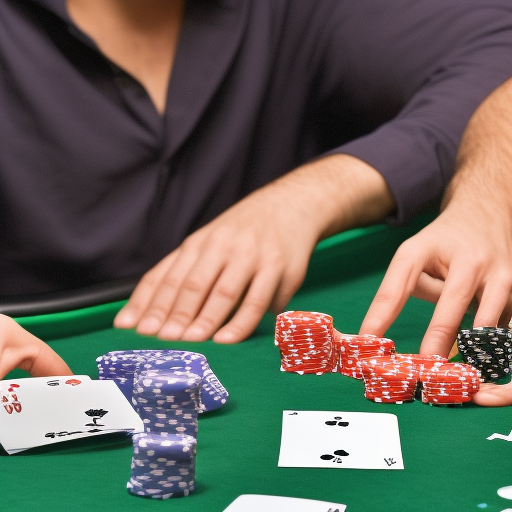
(191, 284)
(181, 316)
(158, 311)
(227, 293)
(170, 281)
(255, 306)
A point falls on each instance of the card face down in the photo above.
(262, 502)
(46, 410)
(356, 440)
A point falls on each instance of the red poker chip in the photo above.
(306, 342)
(355, 348)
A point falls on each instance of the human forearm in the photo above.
(484, 161)
(340, 191)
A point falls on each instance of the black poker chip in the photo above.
(489, 349)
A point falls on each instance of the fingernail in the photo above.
(124, 319)
(149, 325)
(171, 332)
(224, 337)
(194, 334)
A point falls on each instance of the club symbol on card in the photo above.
(336, 457)
(336, 422)
(390, 461)
(95, 414)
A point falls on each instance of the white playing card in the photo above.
(260, 502)
(324, 439)
(40, 411)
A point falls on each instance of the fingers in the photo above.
(428, 288)
(458, 291)
(254, 305)
(46, 363)
(494, 395)
(396, 287)
(183, 291)
(495, 304)
(131, 314)
(190, 295)
(228, 292)
(20, 349)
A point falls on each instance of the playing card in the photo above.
(260, 502)
(357, 440)
(46, 410)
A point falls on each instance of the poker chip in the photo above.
(389, 379)
(167, 401)
(162, 467)
(354, 348)
(306, 342)
(450, 383)
(488, 349)
(122, 366)
(307, 345)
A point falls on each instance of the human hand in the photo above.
(20, 349)
(462, 257)
(254, 256)
(494, 395)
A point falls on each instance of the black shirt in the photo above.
(95, 184)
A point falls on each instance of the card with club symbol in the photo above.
(46, 410)
(259, 502)
(356, 440)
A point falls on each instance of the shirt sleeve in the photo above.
(422, 68)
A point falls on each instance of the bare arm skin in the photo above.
(254, 256)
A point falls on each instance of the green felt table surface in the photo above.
(449, 463)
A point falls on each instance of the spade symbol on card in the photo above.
(336, 456)
(95, 414)
(337, 422)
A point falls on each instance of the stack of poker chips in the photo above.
(450, 383)
(306, 342)
(162, 467)
(353, 348)
(489, 349)
(423, 362)
(163, 462)
(122, 366)
(167, 401)
(168, 388)
(388, 379)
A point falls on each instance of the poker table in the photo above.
(449, 463)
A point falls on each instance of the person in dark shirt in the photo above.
(207, 146)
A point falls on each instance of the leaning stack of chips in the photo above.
(450, 383)
(167, 389)
(306, 342)
(489, 349)
(353, 348)
(121, 367)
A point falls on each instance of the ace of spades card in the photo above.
(356, 440)
(46, 410)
